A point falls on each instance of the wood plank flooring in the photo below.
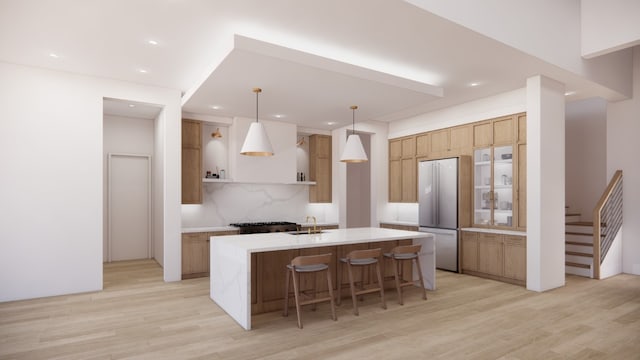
(138, 316)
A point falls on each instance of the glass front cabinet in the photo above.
(493, 186)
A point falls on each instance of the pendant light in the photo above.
(353, 149)
(257, 143)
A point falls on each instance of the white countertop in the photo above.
(284, 241)
(396, 222)
(496, 231)
(208, 229)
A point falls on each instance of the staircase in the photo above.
(578, 245)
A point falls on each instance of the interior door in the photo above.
(129, 206)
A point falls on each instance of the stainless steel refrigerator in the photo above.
(438, 208)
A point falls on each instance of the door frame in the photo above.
(110, 156)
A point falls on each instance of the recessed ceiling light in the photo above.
(331, 123)
(216, 107)
(132, 105)
(474, 84)
(142, 71)
(152, 42)
(278, 116)
(54, 55)
(569, 93)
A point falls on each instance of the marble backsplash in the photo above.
(225, 203)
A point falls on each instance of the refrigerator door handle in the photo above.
(437, 197)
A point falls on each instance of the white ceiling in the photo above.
(313, 59)
(116, 107)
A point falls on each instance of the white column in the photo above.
(545, 183)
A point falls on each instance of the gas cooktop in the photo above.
(265, 227)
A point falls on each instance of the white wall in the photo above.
(52, 184)
(379, 165)
(279, 168)
(623, 147)
(547, 29)
(123, 135)
(586, 155)
(507, 103)
(609, 26)
(359, 189)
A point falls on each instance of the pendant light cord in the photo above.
(353, 119)
(257, 91)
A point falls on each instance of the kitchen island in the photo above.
(231, 260)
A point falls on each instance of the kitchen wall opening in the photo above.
(359, 188)
(131, 140)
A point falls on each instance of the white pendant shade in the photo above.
(353, 150)
(257, 143)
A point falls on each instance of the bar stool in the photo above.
(400, 254)
(361, 258)
(311, 264)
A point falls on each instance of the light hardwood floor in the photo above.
(138, 316)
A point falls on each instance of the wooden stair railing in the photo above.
(607, 221)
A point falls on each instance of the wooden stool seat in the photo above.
(406, 253)
(361, 258)
(309, 265)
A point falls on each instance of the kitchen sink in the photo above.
(305, 232)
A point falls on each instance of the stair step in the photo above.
(583, 266)
(577, 233)
(578, 243)
(577, 253)
(580, 223)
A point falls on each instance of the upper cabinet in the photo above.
(498, 150)
(320, 168)
(191, 162)
(449, 142)
(402, 170)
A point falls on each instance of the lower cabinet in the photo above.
(195, 253)
(496, 256)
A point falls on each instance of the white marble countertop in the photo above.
(208, 229)
(396, 222)
(284, 241)
(496, 231)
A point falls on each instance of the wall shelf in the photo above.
(208, 180)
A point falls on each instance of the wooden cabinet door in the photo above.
(490, 254)
(460, 140)
(440, 142)
(195, 255)
(191, 162)
(395, 149)
(515, 257)
(423, 144)
(395, 180)
(503, 131)
(469, 251)
(482, 134)
(409, 147)
(271, 276)
(320, 169)
(409, 180)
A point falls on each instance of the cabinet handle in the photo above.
(207, 240)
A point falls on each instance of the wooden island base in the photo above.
(268, 273)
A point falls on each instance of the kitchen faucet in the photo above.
(314, 223)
